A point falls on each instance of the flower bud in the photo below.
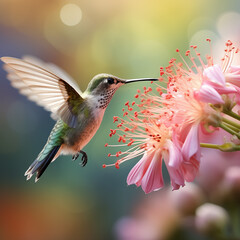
(231, 180)
(135, 229)
(187, 199)
(211, 219)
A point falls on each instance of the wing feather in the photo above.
(54, 69)
(44, 87)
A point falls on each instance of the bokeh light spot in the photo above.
(71, 14)
(227, 26)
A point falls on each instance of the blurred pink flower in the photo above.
(211, 219)
(187, 199)
(128, 228)
(215, 163)
(231, 180)
(153, 217)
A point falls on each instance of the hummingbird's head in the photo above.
(103, 86)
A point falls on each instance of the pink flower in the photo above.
(154, 141)
(189, 94)
(169, 126)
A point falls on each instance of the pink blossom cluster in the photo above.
(193, 99)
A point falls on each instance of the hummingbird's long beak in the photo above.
(139, 80)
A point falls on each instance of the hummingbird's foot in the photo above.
(84, 158)
(75, 156)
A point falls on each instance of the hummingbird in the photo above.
(78, 114)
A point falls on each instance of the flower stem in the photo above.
(232, 114)
(209, 145)
(226, 147)
(227, 129)
(232, 127)
(231, 123)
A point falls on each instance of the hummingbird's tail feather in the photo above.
(50, 151)
(39, 166)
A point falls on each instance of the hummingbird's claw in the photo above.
(84, 158)
(75, 156)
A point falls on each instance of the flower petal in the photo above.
(214, 74)
(176, 176)
(214, 77)
(153, 179)
(175, 155)
(208, 94)
(191, 144)
(190, 169)
(138, 171)
(175, 173)
(233, 75)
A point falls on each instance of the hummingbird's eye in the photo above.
(110, 80)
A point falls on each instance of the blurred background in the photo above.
(128, 39)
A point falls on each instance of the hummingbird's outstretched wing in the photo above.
(47, 85)
(54, 69)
